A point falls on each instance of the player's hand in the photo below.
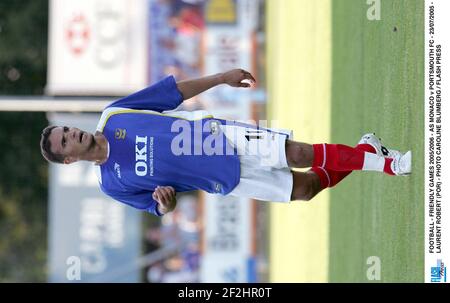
(165, 196)
(235, 77)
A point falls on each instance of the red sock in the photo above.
(366, 147)
(338, 157)
(341, 157)
(387, 166)
(329, 178)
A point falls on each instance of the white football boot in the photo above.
(382, 151)
(401, 164)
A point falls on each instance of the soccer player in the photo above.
(145, 151)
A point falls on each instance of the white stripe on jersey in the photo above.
(187, 115)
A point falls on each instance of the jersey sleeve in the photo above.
(161, 96)
(142, 200)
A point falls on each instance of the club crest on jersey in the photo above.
(120, 133)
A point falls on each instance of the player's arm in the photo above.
(166, 198)
(234, 77)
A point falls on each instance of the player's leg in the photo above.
(305, 185)
(299, 154)
(308, 184)
(341, 157)
(330, 178)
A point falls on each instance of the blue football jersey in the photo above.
(150, 145)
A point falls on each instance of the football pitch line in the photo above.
(299, 94)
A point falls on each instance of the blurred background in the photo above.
(61, 62)
(326, 69)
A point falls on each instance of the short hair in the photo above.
(46, 144)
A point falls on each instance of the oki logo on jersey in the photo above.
(141, 156)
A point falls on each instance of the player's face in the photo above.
(71, 142)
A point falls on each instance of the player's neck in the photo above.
(99, 154)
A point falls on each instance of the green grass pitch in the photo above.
(378, 86)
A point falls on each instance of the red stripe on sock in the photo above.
(387, 166)
(318, 154)
(324, 182)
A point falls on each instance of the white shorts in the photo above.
(265, 174)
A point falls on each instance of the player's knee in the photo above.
(296, 153)
(304, 191)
